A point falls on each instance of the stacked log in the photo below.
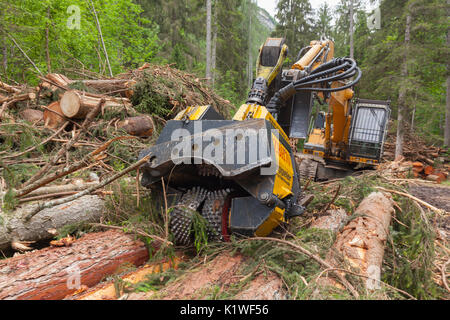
(414, 149)
(53, 116)
(428, 172)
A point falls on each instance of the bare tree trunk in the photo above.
(214, 46)
(101, 38)
(402, 95)
(447, 111)
(47, 53)
(208, 40)
(352, 46)
(250, 58)
(5, 57)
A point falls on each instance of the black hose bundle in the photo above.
(334, 70)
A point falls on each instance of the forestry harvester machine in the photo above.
(242, 174)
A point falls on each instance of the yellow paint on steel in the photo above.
(274, 220)
(192, 113)
(253, 111)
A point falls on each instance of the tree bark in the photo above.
(402, 108)
(16, 229)
(362, 241)
(52, 118)
(447, 110)
(55, 273)
(32, 115)
(77, 105)
(208, 40)
(47, 51)
(214, 46)
(138, 126)
(351, 31)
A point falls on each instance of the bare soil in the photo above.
(438, 196)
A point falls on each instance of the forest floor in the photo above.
(416, 253)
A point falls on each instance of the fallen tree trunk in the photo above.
(15, 229)
(111, 86)
(9, 88)
(138, 126)
(19, 97)
(54, 273)
(361, 242)
(77, 105)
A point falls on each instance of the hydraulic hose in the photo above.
(334, 70)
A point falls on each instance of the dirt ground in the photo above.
(438, 196)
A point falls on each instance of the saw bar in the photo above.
(182, 215)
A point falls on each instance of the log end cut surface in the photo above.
(70, 104)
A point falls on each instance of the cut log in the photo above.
(108, 290)
(111, 86)
(19, 97)
(54, 273)
(53, 116)
(76, 186)
(32, 115)
(138, 126)
(428, 170)
(362, 241)
(15, 229)
(199, 283)
(433, 177)
(77, 105)
(9, 88)
(425, 159)
(418, 165)
(332, 221)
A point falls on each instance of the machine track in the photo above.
(308, 169)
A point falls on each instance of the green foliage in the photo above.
(408, 264)
(147, 99)
(129, 38)
(200, 227)
(295, 23)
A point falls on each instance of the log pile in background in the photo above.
(414, 149)
(61, 98)
(402, 169)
